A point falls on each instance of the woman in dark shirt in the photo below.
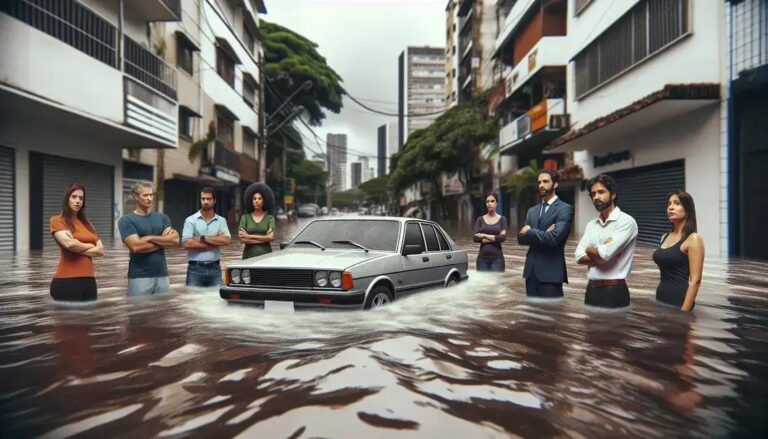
(680, 255)
(490, 231)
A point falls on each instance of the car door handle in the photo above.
(448, 256)
(425, 258)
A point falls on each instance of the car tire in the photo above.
(378, 297)
(452, 281)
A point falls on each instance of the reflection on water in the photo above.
(477, 360)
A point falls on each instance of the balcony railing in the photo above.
(148, 68)
(226, 158)
(69, 22)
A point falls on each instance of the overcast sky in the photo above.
(361, 40)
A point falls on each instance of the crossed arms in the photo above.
(245, 238)
(66, 241)
(150, 243)
(590, 251)
(555, 234)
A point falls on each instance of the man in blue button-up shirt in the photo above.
(204, 232)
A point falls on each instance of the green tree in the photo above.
(351, 198)
(377, 189)
(451, 144)
(290, 60)
(310, 180)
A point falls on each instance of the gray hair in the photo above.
(140, 184)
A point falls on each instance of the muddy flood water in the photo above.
(477, 360)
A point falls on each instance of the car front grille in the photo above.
(281, 278)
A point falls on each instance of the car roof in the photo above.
(399, 219)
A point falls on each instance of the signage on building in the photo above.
(452, 185)
(532, 60)
(609, 159)
(538, 116)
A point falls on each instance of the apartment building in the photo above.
(421, 95)
(217, 50)
(644, 95)
(79, 82)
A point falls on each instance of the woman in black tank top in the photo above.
(680, 255)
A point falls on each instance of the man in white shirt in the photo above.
(607, 247)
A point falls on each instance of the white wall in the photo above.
(694, 59)
(213, 85)
(37, 63)
(694, 137)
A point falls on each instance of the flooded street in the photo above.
(477, 360)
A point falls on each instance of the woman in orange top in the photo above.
(75, 279)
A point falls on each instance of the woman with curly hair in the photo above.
(257, 226)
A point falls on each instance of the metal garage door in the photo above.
(58, 173)
(7, 201)
(643, 195)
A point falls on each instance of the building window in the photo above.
(225, 66)
(249, 39)
(225, 129)
(249, 90)
(648, 28)
(184, 55)
(186, 124)
(249, 143)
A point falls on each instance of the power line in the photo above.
(385, 113)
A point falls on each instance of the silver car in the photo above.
(350, 262)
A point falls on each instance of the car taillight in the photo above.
(347, 282)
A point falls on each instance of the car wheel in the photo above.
(378, 297)
(452, 282)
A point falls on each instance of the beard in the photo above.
(207, 208)
(601, 205)
(543, 192)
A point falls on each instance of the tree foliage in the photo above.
(377, 190)
(290, 60)
(310, 179)
(450, 144)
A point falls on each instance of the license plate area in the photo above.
(278, 306)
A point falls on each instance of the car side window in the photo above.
(443, 242)
(429, 235)
(413, 235)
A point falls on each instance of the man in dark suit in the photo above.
(547, 226)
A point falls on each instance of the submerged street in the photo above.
(477, 360)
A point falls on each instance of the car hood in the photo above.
(330, 259)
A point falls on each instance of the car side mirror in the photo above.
(283, 245)
(412, 249)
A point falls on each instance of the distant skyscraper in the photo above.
(388, 144)
(357, 174)
(367, 173)
(421, 88)
(320, 161)
(337, 156)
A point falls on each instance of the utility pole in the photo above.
(262, 123)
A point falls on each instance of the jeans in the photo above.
(148, 286)
(490, 263)
(203, 275)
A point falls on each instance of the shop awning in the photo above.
(671, 101)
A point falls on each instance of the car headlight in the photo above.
(245, 275)
(335, 279)
(321, 279)
(235, 275)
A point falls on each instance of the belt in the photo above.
(606, 283)
(204, 263)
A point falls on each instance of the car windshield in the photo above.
(374, 235)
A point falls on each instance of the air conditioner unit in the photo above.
(560, 121)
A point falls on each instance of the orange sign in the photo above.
(538, 115)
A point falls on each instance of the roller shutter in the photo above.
(7, 201)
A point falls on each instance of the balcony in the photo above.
(158, 10)
(222, 163)
(149, 68)
(60, 57)
(542, 124)
(546, 53)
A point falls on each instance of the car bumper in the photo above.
(300, 298)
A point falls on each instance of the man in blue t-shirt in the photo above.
(147, 234)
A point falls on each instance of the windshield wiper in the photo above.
(351, 243)
(311, 242)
